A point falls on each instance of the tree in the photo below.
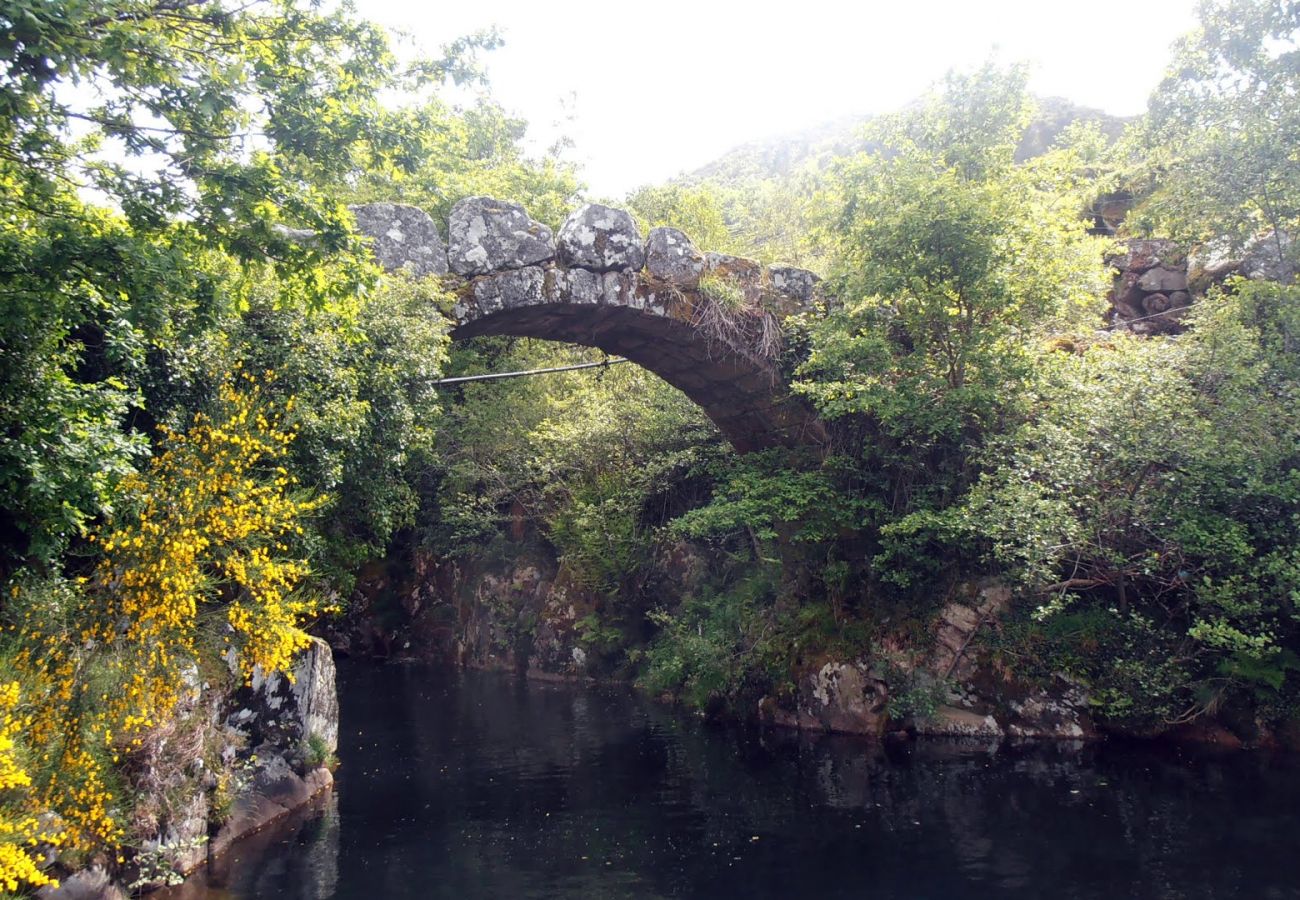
(1156, 487)
(949, 259)
(1222, 136)
(697, 211)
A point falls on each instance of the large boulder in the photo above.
(670, 256)
(487, 235)
(402, 238)
(602, 239)
(287, 713)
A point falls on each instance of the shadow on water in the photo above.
(477, 785)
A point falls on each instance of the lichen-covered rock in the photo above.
(670, 256)
(285, 714)
(842, 697)
(505, 290)
(1269, 259)
(956, 627)
(798, 284)
(1059, 711)
(1139, 255)
(602, 239)
(402, 238)
(486, 235)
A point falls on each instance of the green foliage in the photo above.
(715, 644)
(1163, 478)
(366, 401)
(723, 292)
(951, 260)
(697, 211)
(1218, 147)
(453, 153)
(772, 495)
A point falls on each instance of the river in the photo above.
(478, 785)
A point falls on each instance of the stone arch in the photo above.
(703, 322)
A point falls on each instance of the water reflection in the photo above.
(479, 785)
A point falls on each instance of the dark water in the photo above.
(477, 785)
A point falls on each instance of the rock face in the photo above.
(274, 791)
(842, 697)
(487, 235)
(402, 238)
(282, 713)
(670, 256)
(601, 239)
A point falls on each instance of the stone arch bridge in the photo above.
(708, 324)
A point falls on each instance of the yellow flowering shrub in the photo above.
(197, 563)
(20, 829)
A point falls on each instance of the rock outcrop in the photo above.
(842, 697)
(276, 737)
(1150, 292)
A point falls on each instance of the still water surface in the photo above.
(476, 785)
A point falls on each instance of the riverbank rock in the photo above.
(842, 697)
(287, 713)
(949, 721)
(274, 791)
(487, 235)
(88, 884)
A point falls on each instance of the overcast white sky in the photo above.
(650, 88)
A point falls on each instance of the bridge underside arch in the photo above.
(656, 326)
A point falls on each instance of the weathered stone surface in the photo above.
(950, 721)
(746, 273)
(956, 627)
(840, 696)
(1180, 299)
(1163, 280)
(402, 238)
(1154, 304)
(505, 290)
(1269, 259)
(276, 790)
(1058, 711)
(799, 284)
(88, 884)
(670, 256)
(602, 239)
(283, 714)
(487, 235)
(1143, 254)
